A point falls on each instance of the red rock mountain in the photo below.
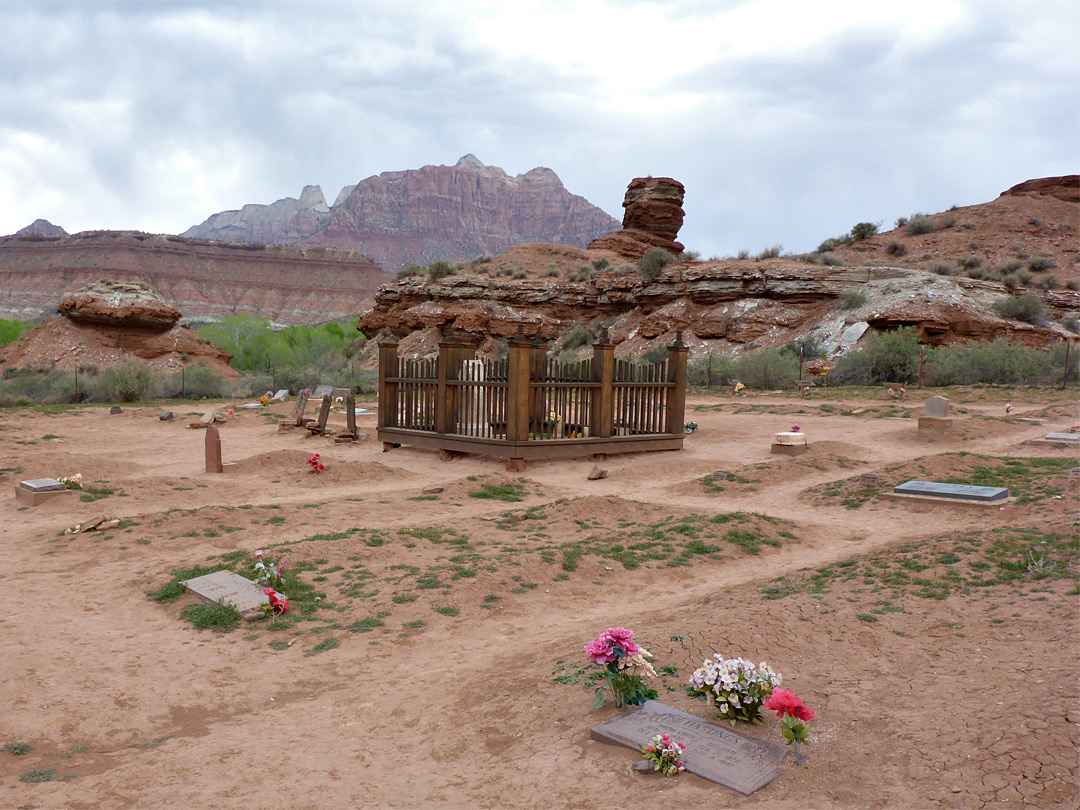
(450, 213)
(204, 280)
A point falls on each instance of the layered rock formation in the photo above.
(652, 217)
(205, 280)
(109, 322)
(449, 213)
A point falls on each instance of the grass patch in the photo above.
(499, 492)
(39, 775)
(221, 618)
(447, 611)
(18, 748)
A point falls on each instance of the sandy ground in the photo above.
(933, 687)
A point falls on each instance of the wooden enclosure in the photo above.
(531, 406)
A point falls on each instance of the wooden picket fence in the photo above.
(531, 405)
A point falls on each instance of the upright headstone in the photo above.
(323, 391)
(116, 409)
(282, 395)
(936, 421)
(213, 450)
(301, 404)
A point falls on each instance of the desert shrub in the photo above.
(829, 244)
(832, 260)
(1049, 282)
(625, 269)
(996, 362)
(885, 357)
(690, 256)
(12, 330)
(129, 381)
(1011, 280)
(976, 272)
(1028, 308)
(480, 260)
(657, 354)
(852, 299)
(743, 254)
(1011, 266)
(519, 273)
(864, 230)
(197, 382)
(943, 269)
(26, 386)
(1036, 222)
(551, 272)
(970, 263)
(1041, 262)
(411, 270)
(697, 371)
(947, 222)
(901, 222)
(767, 369)
(809, 345)
(919, 224)
(600, 265)
(652, 263)
(896, 248)
(579, 334)
(256, 385)
(437, 270)
(770, 252)
(582, 273)
(1072, 323)
(1073, 284)
(1023, 276)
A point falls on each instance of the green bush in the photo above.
(832, 260)
(583, 273)
(697, 371)
(129, 381)
(767, 369)
(197, 382)
(885, 357)
(437, 270)
(1041, 262)
(1028, 308)
(896, 248)
(650, 265)
(39, 387)
(970, 263)
(997, 362)
(411, 270)
(770, 252)
(11, 331)
(579, 334)
(853, 299)
(919, 224)
(864, 230)
(943, 269)
(811, 348)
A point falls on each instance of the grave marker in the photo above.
(213, 450)
(282, 395)
(936, 421)
(233, 589)
(323, 391)
(712, 752)
(789, 443)
(39, 490)
(960, 492)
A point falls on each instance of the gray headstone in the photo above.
(116, 409)
(961, 492)
(1068, 438)
(323, 391)
(283, 395)
(233, 589)
(42, 485)
(213, 450)
(713, 752)
(166, 416)
(937, 407)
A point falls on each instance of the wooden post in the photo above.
(451, 357)
(517, 387)
(922, 356)
(601, 411)
(708, 384)
(183, 385)
(801, 378)
(1065, 376)
(77, 383)
(443, 395)
(677, 374)
(388, 362)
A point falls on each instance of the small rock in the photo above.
(208, 417)
(109, 524)
(166, 416)
(643, 765)
(116, 409)
(597, 473)
(432, 490)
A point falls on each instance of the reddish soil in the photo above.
(934, 687)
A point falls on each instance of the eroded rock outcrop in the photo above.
(435, 213)
(41, 227)
(109, 322)
(652, 217)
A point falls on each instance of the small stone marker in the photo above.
(233, 589)
(166, 416)
(39, 490)
(960, 492)
(213, 450)
(282, 395)
(597, 472)
(116, 409)
(712, 752)
(936, 422)
(208, 417)
(432, 489)
(869, 480)
(323, 391)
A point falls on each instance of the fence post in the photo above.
(183, 384)
(1065, 376)
(602, 404)
(518, 364)
(677, 396)
(451, 357)
(388, 363)
(77, 384)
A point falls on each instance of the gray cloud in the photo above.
(155, 115)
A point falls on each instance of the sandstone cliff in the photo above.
(450, 213)
(108, 322)
(205, 280)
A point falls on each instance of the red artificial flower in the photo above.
(784, 702)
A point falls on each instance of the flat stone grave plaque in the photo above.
(323, 391)
(242, 594)
(961, 492)
(713, 752)
(1070, 438)
(43, 485)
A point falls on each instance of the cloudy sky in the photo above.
(787, 120)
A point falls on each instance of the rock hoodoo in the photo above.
(109, 322)
(652, 217)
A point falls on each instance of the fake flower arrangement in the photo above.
(278, 604)
(794, 717)
(264, 400)
(625, 664)
(735, 686)
(689, 427)
(72, 482)
(316, 465)
(231, 412)
(268, 574)
(1008, 408)
(665, 754)
(739, 387)
(795, 428)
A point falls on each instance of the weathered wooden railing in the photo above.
(531, 405)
